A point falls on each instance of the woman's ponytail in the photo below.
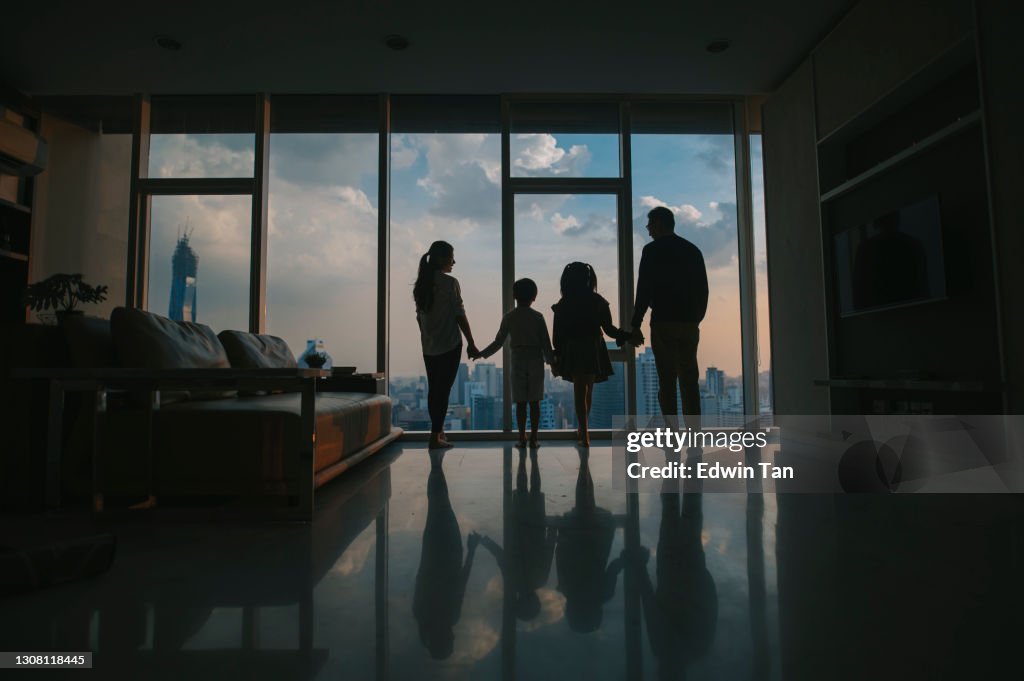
(423, 289)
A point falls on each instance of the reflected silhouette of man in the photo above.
(585, 536)
(682, 612)
(889, 267)
(442, 576)
(673, 282)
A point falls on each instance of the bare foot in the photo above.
(438, 443)
(521, 444)
(534, 443)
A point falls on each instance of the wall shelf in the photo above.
(4, 203)
(11, 255)
(972, 119)
(910, 384)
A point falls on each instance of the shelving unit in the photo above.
(15, 220)
(968, 121)
(922, 139)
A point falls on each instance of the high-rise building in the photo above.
(486, 413)
(714, 381)
(609, 399)
(184, 268)
(471, 390)
(647, 386)
(487, 373)
(547, 415)
(710, 410)
(458, 393)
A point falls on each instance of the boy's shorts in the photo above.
(527, 380)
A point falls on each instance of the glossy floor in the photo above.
(489, 563)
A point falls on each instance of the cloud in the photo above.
(402, 155)
(684, 214)
(538, 155)
(325, 159)
(463, 175)
(713, 231)
(717, 238)
(201, 156)
(718, 153)
(564, 225)
(599, 227)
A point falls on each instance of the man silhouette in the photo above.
(673, 282)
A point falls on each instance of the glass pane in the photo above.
(201, 155)
(322, 244)
(564, 155)
(199, 259)
(564, 139)
(694, 176)
(552, 231)
(446, 186)
(764, 346)
(203, 136)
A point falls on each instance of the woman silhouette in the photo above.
(440, 315)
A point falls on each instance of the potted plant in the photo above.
(316, 360)
(62, 292)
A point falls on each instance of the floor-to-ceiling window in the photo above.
(199, 227)
(322, 245)
(683, 158)
(765, 406)
(446, 186)
(566, 185)
(576, 189)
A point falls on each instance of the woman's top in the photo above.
(439, 330)
(528, 334)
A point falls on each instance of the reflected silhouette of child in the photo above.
(585, 536)
(526, 560)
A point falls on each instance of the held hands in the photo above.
(633, 338)
(473, 352)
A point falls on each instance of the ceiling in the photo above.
(69, 47)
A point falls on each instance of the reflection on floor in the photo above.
(488, 562)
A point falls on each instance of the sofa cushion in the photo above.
(149, 341)
(256, 351)
(90, 342)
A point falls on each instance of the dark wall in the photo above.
(1001, 53)
(795, 279)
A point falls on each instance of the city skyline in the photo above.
(476, 398)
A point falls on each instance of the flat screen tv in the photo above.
(893, 260)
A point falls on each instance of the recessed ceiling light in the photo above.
(168, 43)
(717, 46)
(396, 42)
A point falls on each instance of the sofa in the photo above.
(171, 410)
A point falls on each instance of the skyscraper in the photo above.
(487, 373)
(609, 398)
(714, 381)
(486, 413)
(647, 386)
(184, 268)
(458, 393)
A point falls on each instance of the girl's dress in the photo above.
(578, 339)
